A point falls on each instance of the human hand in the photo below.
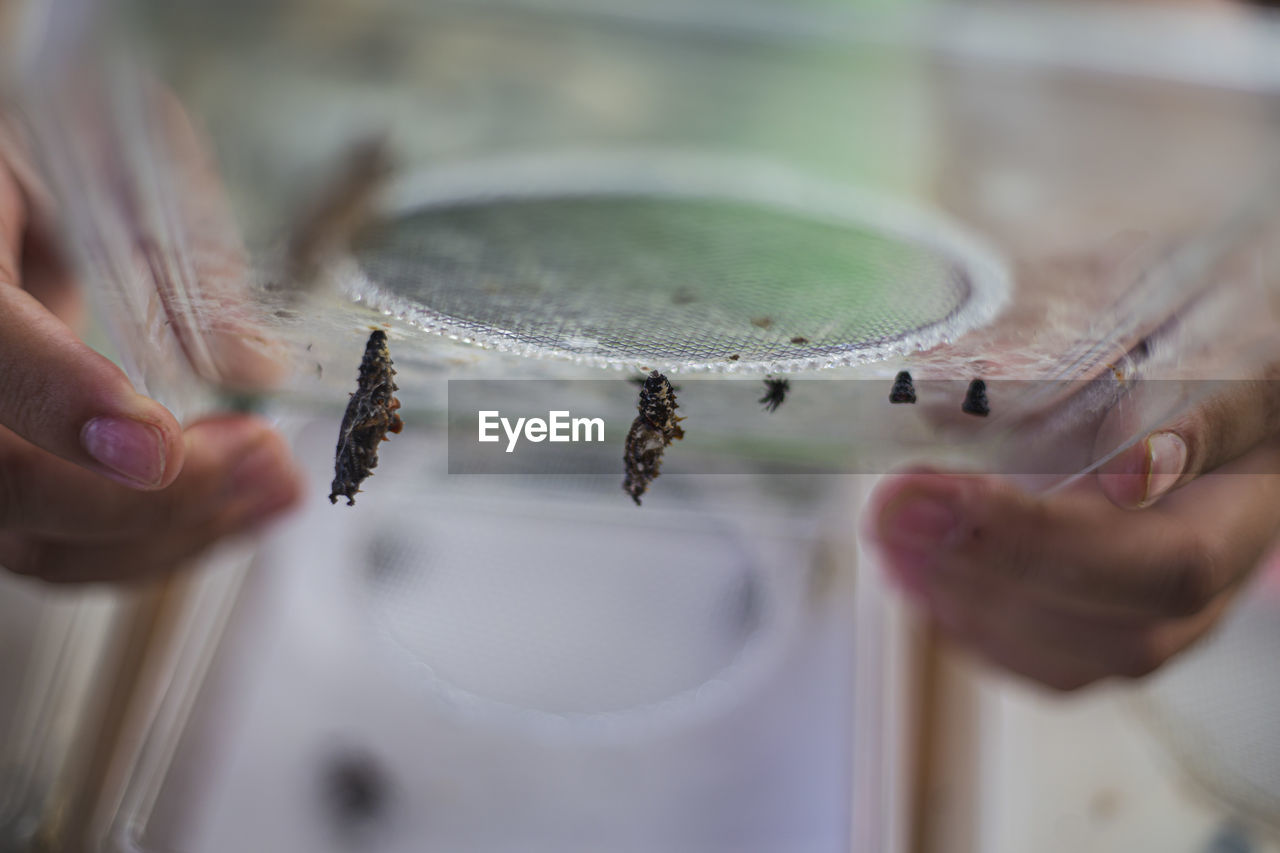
(98, 482)
(1111, 577)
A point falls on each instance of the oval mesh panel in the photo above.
(711, 279)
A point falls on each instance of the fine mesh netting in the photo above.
(680, 281)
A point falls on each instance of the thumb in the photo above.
(1226, 425)
(61, 395)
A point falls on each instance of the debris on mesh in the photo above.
(775, 393)
(904, 390)
(370, 415)
(655, 427)
(975, 400)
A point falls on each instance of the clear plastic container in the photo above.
(1055, 199)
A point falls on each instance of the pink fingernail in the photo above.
(131, 449)
(1167, 458)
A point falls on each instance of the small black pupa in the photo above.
(903, 391)
(975, 400)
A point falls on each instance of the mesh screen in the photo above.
(712, 278)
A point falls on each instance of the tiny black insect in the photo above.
(655, 427)
(370, 415)
(904, 390)
(975, 400)
(799, 340)
(775, 393)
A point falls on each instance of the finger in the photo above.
(62, 396)
(13, 225)
(226, 459)
(47, 278)
(972, 621)
(135, 560)
(1212, 433)
(44, 275)
(1075, 550)
(1061, 649)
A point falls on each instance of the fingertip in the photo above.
(1142, 474)
(895, 508)
(140, 446)
(1123, 478)
(893, 488)
(222, 443)
(260, 479)
(914, 520)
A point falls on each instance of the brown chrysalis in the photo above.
(370, 415)
(655, 427)
(639, 381)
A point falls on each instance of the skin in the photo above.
(65, 515)
(1111, 577)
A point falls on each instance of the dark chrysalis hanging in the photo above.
(975, 399)
(370, 415)
(775, 393)
(639, 381)
(904, 390)
(655, 427)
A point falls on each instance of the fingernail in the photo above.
(264, 482)
(130, 448)
(921, 523)
(1166, 459)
